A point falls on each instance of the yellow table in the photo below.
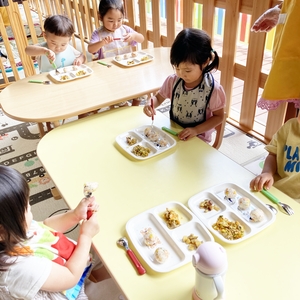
(39, 103)
(266, 266)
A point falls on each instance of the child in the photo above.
(39, 262)
(282, 165)
(197, 100)
(56, 52)
(113, 38)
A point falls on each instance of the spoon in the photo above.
(88, 189)
(104, 64)
(40, 81)
(273, 209)
(124, 243)
(284, 207)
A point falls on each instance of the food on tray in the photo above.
(151, 134)
(161, 255)
(208, 205)
(75, 68)
(139, 150)
(126, 56)
(171, 218)
(64, 77)
(192, 241)
(80, 73)
(89, 188)
(131, 140)
(150, 238)
(231, 230)
(130, 62)
(230, 195)
(144, 58)
(257, 215)
(133, 54)
(244, 203)
(162, 143)
(118, 57)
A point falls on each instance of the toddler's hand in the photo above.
(264, 180)
(77, 61)
(149, 111)
(129, 37)
(187, 134)
(85, 205)
(50, 55)
(90, 227)
(108, 39)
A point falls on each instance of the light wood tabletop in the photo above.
(264, 266)
(32, 102)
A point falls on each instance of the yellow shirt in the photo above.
(285, 144)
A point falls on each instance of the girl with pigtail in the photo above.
(197, 99)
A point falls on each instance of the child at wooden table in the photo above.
(282, 165)
(56, 52)
(113, 38)
(197, 100)
(37, 261)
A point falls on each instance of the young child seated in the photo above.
(282, 165)
(56, 52)
(37, 261)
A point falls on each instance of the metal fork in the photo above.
(284, 207)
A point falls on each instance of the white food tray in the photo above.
(133, 59)
(230, 211)
(142, 140)
(170, 239)
(72, 73)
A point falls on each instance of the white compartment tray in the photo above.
(230, 210)
(170, 239)
(133, 59)
(70, 73)
(164, 143)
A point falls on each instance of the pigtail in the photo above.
(214, 61)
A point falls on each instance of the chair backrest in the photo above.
(219, 133)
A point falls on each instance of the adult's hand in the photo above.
(267, 20)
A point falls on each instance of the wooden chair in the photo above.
(219, 133)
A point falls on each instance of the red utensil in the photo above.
(124, 243)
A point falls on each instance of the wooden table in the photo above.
(39, 103)
(266, 266)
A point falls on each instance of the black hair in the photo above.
(194, 46)
(106, 5)
(14, 198)
(59, 25)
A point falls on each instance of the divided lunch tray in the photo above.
(164, 142)
(170, 239)
(71, 73)
(230, 211)
(133, 59)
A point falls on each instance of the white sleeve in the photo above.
(26, 276)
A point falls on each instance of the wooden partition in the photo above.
(160, 21)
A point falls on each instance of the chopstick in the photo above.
(152, 106)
